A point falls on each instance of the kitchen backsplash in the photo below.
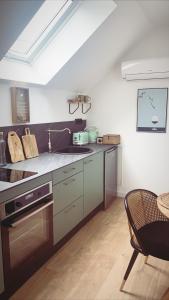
(58, 139)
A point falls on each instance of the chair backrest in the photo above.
(141, 208)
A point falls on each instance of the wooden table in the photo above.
(163, 204)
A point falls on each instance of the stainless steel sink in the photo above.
(74, 150)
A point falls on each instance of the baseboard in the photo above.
(120, 194)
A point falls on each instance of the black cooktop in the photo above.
(10, 175)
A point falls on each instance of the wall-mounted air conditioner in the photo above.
(145, 69)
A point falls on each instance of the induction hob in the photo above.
(11, 175)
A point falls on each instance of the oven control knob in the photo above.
(18, 204)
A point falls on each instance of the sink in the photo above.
(74, 150)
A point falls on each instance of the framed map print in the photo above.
(152, 109)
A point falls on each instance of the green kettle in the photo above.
(92, 134)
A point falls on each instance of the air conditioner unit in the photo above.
(145, 69)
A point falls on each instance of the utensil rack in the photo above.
(76, 108)
(77, 101)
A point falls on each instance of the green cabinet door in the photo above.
(93, 182)
(67, 219)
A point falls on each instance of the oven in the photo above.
(27, 234)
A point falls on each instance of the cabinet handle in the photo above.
(69, 170)
(69, 181)
(88, 161)
(42, 207)
(111, 150)
(69, 208)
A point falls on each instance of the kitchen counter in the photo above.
(47, 162)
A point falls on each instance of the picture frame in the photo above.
(20, 105)
(152, 109)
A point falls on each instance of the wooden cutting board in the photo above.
(29, 144)
(15, 147)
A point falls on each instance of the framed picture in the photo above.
(152, 109)
(20, 105)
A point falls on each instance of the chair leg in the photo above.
(146, 259)
(130, 265)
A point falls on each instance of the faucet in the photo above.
(49, 136)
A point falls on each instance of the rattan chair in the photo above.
(149, 228)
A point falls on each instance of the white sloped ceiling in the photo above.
(87, 18)
(130, 23)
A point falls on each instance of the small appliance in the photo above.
(26, 220)
(92, 133)
(80, 138)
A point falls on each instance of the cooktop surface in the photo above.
(11, 175)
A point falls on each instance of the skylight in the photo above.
(36, 34)
(52, 37)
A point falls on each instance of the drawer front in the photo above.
(67, 219)
(93, 160)
(67, 191)
(67, 171)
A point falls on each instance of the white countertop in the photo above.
(47, 162)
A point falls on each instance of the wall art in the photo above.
(20, 105)
(152, 109)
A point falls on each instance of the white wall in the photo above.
(143, 157)
(46, 105)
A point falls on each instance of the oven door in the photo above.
(27, 240)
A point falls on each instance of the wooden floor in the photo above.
(92, 264)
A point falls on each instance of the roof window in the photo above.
(44, 25)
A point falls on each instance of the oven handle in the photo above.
(14, 224)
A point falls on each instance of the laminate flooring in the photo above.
(91, 266)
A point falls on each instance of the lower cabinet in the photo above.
(67, 219)
(68, 201)
(93, 182)
(77, 192)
